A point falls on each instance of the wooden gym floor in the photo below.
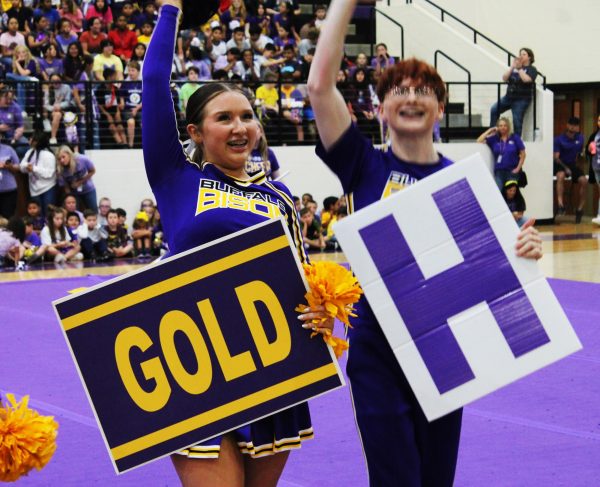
(570, 252)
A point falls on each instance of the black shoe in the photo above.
(561, 210)
(578, 216)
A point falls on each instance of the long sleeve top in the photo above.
(43, 176)
(198, 202)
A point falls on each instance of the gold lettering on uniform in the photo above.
(264, 209)
(238, 202)
(248, 294)
(232, 366)
(148, 401)
(171, 323)
(208, 199)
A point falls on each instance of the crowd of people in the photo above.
(265, 44)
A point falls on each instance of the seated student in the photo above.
(34, 249)
(311, 232)
(55, 235)
(65, 36)
(92, 38)
(330, 207)
(110, 104)
(312, 205)
(292, 104)
(270, 61)
(9, 40)
(267, 97)
(297, 203)
(119, 242)
(320, 12)
(93, 238)
(567, 148)
(238, 39)
(331, 243)
(73, 224)
(142, 235)
(381, 61)
(34, 211)
(122, 214)
(283, 38)
(58, 99)
(106, 60)
(50, 62)
(515, 201)
(214, 44)
(12, 234)
(258, 41)
(189, 88)
(291, 63)
(228, 62)
(131, 94)
(248, 66)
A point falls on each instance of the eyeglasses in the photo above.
(405, 91)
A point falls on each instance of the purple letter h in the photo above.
(426, 304)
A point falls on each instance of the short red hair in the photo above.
(422, 73)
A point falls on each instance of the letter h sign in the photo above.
(510, 323)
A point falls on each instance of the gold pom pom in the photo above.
(27, 440)
(336, 289)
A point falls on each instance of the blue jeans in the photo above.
(518, 106)
(503, 175)
(45, 199)
(88, 200)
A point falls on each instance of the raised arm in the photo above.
(331, 111)
(160, 138)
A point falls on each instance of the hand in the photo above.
(30, 167)
(316, 319)
(4, 127)
(567, 171)
(516, 170)
(529, 242)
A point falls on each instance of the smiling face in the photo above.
(227, 133)
(411, 109)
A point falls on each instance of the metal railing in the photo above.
(93, 131)
(375, 11)
(469, 85)
(475, 33)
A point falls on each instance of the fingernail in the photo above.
(301, 317)
(306, 325)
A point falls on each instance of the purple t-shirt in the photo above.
(82, 167)
(55, 67)
(7, 178)
(568, 148)
(11, 116)
(506, 153)
(369, 174)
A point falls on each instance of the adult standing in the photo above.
(9, 165)
(520, 77)
(592, 151)
(568, 146)
(221, 123)
(508, 150)
(401, 447)
(40, 164)
(11, 122)
(75, 172)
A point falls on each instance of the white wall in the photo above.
(120, 175)
(561, 34)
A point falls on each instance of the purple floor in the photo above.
(541, 431)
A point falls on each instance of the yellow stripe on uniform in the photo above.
(223, 411)
(297, 236)
(173, 283)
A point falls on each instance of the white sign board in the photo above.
(463, 314)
